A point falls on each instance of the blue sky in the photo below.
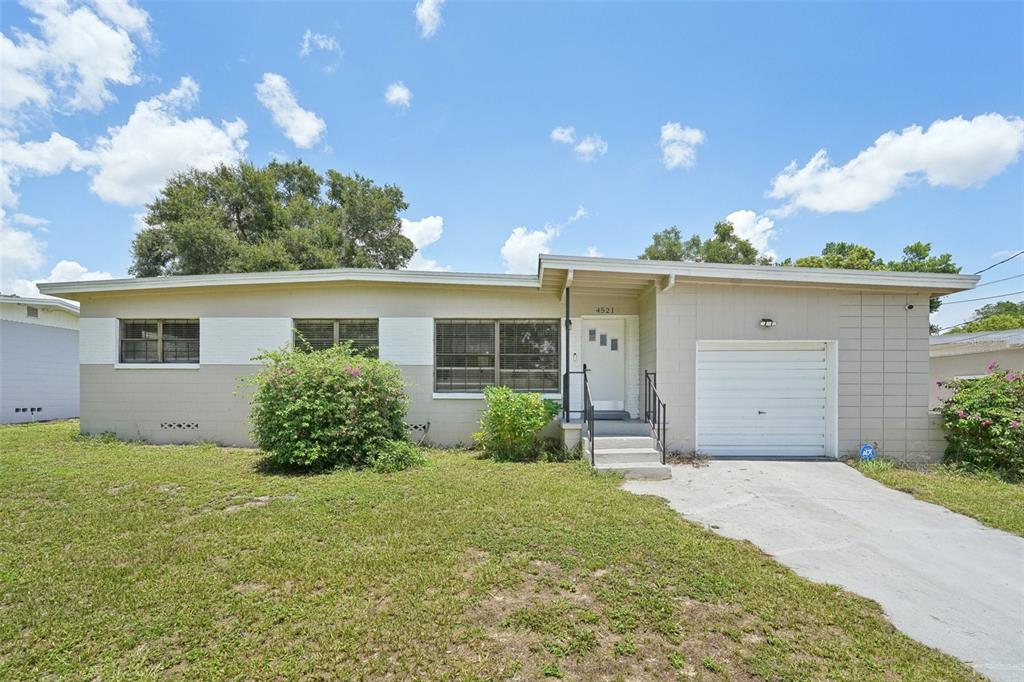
(682, 114)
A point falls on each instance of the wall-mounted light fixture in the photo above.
(768, 322)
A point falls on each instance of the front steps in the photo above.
(635, 457)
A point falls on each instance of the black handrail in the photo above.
(655, 411)
(588, 414)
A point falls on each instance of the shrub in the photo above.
(396, 455)
(327, 408)
(984, 420)
(510, 424)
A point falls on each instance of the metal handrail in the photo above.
(655, 411)
(588, 414)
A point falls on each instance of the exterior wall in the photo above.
(206, 403)
(648, 337)
(966, 365)
(48, 317)
(883, 355)
(38, 369)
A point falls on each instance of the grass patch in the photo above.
(122, 560)
(984, 497)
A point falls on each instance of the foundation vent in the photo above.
(179, 426)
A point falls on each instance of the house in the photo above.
(958, 356)
(38, 359)
(726, 360)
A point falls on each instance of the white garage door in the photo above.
(762, 399)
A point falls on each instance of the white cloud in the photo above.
(679, 145)
(564, 135)
(523, 246)
(954, 152)
(49, 157)
(591, 147)
(73, 59)
(398, 95)
(301, 126)
(134, 160)
(581, 212)
(64, 271)
(592, 252)
(319, 41)
(428, 15)
(757, 229)
(423, 233)
(29, 220)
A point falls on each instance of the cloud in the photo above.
(398, 95)
(301, 126)
(49, 157)
(319, 41)
(592, 252)
(954, 152)
(29, 220)
(423, 233)
(757, 229)
(73, 59)
(523, 246)
(428, 16)
(679, 145)
(564, 135)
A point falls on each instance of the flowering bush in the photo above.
(328, 408)
(984, 420)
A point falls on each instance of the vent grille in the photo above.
(179, 426)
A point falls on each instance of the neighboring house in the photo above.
(957, 356)
(748, 360)
(38, 359)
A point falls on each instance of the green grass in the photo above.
(121, 560)
(992, 501)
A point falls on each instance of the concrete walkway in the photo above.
(944, 579)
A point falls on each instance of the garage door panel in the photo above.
(760, 400)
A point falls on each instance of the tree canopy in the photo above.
(994, 317)
(284, 216)
(724, 246)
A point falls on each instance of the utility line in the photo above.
(983, 298)
(999, 263)
(985, 284)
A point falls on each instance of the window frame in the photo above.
(372, 351)
(497, 354)
(159, 340)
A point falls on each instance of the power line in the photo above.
(983, 298)
(985, 284)
(999, 263)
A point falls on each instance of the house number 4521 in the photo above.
(605, 310)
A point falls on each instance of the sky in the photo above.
(518, 128)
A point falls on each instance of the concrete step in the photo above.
(621, 428)
(627, 456)
(638, 472)
(606, 442)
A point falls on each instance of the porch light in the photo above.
(767, 322)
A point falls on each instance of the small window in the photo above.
(32, 311)
(159, 341)
(592, 335)
(604, 339)
(310, 335)
(615, 344)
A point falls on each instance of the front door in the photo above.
(604, 354)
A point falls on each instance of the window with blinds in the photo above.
(159, 341)
(472, 354)
(313, 335)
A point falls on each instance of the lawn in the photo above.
(994, 502)
(122, 560)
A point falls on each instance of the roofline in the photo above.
(290, 277)
(934, 282)
(66, 306)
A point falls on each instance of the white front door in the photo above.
(604, 353)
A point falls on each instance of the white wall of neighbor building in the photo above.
(968, 365)
(39, 377)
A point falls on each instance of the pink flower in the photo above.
(1010, 376)
(961, 414)
(986, 422)
(355, 371)
(992, 365)
(1014, 424)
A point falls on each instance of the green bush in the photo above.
(510, 424)
(984, 420)
(327, 408)
(396, 455)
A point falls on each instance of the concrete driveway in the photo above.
(942, 578)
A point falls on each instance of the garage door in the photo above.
(762, 399)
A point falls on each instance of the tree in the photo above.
(285, 216)
(994, 317)
(844, 255)
(725, 246)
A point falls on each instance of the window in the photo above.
(159, 341)
(472, 354)
(32, 311)
(319, 334)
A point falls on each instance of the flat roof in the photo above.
(56, 303)
(1006, 337)
(553, 272)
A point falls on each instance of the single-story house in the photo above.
(727, 360)
(959, 356)
(38, 359)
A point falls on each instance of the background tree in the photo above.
(994, 317)
(285, 216)
(724, 246)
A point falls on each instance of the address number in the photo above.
(605, 310)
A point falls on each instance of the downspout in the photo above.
(568, 327)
